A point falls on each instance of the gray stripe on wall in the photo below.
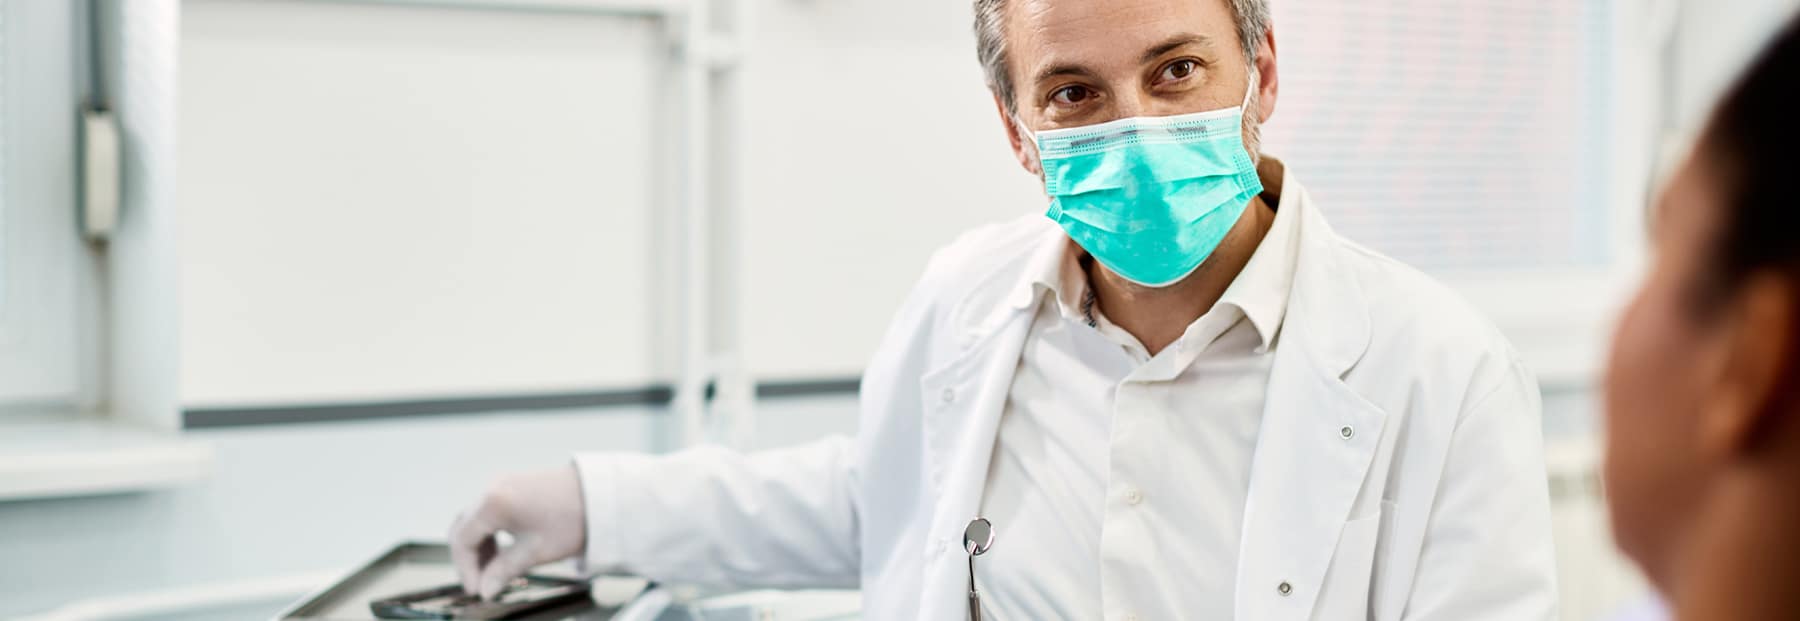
(777, 390)
(217, 418)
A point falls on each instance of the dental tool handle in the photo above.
(974, 598)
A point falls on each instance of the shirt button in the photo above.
(1134, 496)
(1347, 433)
(949, 395)
(1284, 588)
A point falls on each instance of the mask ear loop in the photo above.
(1027, 136)
(1255, 78)
(1252, 146)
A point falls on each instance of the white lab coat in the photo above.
(1398, 473)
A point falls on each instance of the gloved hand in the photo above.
(542, 511)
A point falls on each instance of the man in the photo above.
(1703, 394)
(1180, 396)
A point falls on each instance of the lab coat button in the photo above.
(1347, 432)
(1284, 589)
(1129, 617)
(1133, 496)
(949, 396)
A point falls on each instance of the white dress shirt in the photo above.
(1118, 482)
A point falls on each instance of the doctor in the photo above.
(1181, 395)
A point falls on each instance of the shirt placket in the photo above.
(1125, 543)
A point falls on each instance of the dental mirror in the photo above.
(978, 537)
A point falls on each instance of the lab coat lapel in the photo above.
(1318, 437)
(964, 400)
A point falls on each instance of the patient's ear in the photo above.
(1750, 365)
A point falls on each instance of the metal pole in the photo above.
(737, 386)
(690, 393)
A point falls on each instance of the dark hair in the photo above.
(1754, 140)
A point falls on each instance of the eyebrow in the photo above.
(1168, 45)
(1174, 43)
(1062, 70)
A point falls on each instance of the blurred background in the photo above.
(283, 282)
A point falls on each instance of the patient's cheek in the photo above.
(1647, 402)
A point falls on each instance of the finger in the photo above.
(488, 548)
(512, 562)
(462, 556)
(469, 538)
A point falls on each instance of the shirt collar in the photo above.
(1063, 277)
(1260, 291)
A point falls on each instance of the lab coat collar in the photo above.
(1326, 309)
(1263, 288)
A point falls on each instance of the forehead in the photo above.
(1038, 28)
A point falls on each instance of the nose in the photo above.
(1131, 104)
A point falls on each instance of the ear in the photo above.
(1756, 357)
(1269, 88)
(1024, 149)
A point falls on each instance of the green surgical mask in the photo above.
(1150, 198)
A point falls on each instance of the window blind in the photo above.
(1468, 135)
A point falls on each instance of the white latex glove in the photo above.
(542, 511)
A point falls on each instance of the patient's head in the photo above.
(1704, 383)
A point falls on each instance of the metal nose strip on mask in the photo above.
(1133, 134)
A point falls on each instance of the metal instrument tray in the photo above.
(413, 566)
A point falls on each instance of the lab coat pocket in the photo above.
(1345, 596)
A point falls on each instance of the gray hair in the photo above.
(990, 40)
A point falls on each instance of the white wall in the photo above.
(45, 280)
(385, 201)
(1713, 41)
(875, 142)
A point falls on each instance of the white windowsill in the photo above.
(56, 458)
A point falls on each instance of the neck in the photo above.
(1157, 317)
(1744, 560)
